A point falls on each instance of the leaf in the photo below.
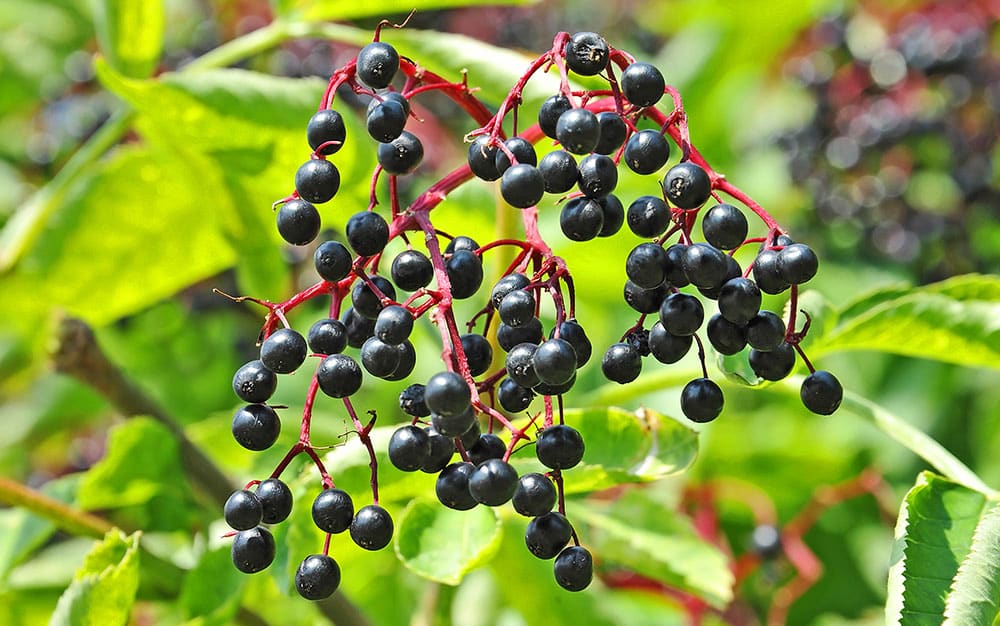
(442, 544)
(975, 592)
(212, 589)
(933, 536)
(103, 590)
(955, 321)
(21, 533)
(323, 10)
(130, 33)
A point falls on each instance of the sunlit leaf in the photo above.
(131, 34)
(974, 599)
(103, 590)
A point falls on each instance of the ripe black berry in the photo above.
(513, 397)
(317, 180)
(317, 577)
(571, 331)
(644, 300)
(493, 482)
(402, 155)
(359, 328)
(298, 222)
(665, 347)
(522, 150)
(587, 53)
(506, 285)
(447, 394)
(409, 448)
(333, 510)
(739, 300)
(726, 337)
(407, 360)
(377, 64)
(283, 351)
(548, 114)
(765, 331)
(545, 389)
(646, 152)
(442, 448)
(411, 270)
(275, 500)
(339, 376)
(510, 336)
(767, 274)
(520, 364)
(821, 392)
(372, 527)
(765, 541)
(675, 270)
(648, 216)
(613, 131)
(687, 185)
(598, 175)
(797, 263)
(681, 314)
(701, 400)
(614, 215)
(482, 158)
(465, 272)
(327, 336)
(379, 358)
(393, 324)
(386, 120)
(642, 84)
(548, 534)
(254, 383)
(332, 261)
(559, 171)
(581, 219)
(411, 401)
(775, 364)
(253, 550)
(243, 510)
(724, 226)
(478, 353)
(367, 233)
(578, 131)
(646, 265)
(517, 307)
(535, 495)
(705, 265)
(487, 446)
(622, 363)
(452, 486)
(559, 447)
(574, 568)
(366, 303)
(522, 185)
(256, 427)
(461, 243)
(326, 126)
(555, 361)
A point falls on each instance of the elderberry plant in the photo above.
(374, 302)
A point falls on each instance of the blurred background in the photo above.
(868, 129)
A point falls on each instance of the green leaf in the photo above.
(975, 592)
(955, 321)
(21, 533)
(442, 544)
(130, 33)
(933, 536)
(103, 590)
(323, 10)
(213, 589)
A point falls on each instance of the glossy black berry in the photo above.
(520, 364)
(559, 447)
(487, 446)
(548, 534)
(578, 131)
(441, 450)
(254, 382)
(510, 336)
(471, 436)
(465, 272)
(642, 84)
(482, 158)
(765, 541)
(821, 392)
(367, 233)
(478, 353)
(411, 270)
(359, 328)
(555, 361)
(733, 270)
(687, 185)
(407, 360)
(253, 550)
(535, 495)
(506, 285)
(393, 324)
(548, 114)
(283, 351)
(765, 331)
(333, 510)
(644, 300)
(366, 303)
(681, 314)
(326, 127)
(574, 568)
(598, 175)
(389, 96)
(622, 363)
(775, 364)
(411, 401)
(614, 215)
(705, 265)
(317, 577)
(726, 337)
(409, 448)
(493, 482)
(386, 120)
(648, 216)
(581, 219)
(665, 347)
(517, 307)
(447, 393)
(559, 171)
(298, 222)
(452, 486)
(377, 64)
(513, 397)
(332, 261)
(546, 389)
(675, 271)
(379, 359)
(243, 510)
(339, 376)
(402, 155)
(461, 243)
(613, 131)
(797, 263)
(275, 500)
(522, 185)
(571, 331)
(317, 180)
(646, 152)
(739, 300)
(701, 400)
(646, 265)
(767, 274)
(327, 336)
(587, 53)
(256, 427)
(724, 226)
(372, 527)
(522, 150)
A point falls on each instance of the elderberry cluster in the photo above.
(480, 408)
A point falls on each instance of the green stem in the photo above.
(72, 520)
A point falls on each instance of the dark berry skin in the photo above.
(571, 331)
(389, 96)
(394, 324)
(733, 270)
(767, 274)
(452, 486)
(559, 447)
(317, 180)
(522, 150)
(409, 448)
(317, 577)
(766, 541)
(648, 216)
(574, 568)
(402, 155)
(739, 300)
(775, 364)
(298, 222)
(522, 186)
(478, 353)
(665, 347)
(587, 53)
(327, 336)
(411, 270)
(377, 63)
(513, 397)
(765, 331)
(724, 226)
(646, 152)
(510, 336)
(687, 185)
(333, 510)
(471, 436)
(283, 351)
(275, 500)
(253, 550)
(559, 171)
(254, 383)
(520, 364)
(506, 285)
(548, 114)
(681, 314)
(442, 448)
(461, 243)
(493, 483)
(386, 120)
(613, 131)
(555, 361)
(243, 510)
(675, 271)
(644, 300)
(614, 215)
(359, 328)
(367, 233)
(598, 175)
(482, 159)
(701, 400)
(797, 263)
(646, 265)
(323, 127)
(454, 425)
(517, 307)
(821, 392)
(487, 446)
(578, 131)
(622, 363)
(411, 401)
(406, 361)
(372, 527)
(581, 219)
(705, 265)
(332, 261)
(447, 393)
(726, 337)
(339, 376)
(256, 427)
(465, 272)
(366, 303)
(535, 495)
(548, 534)
(642, 84)
(545, 389)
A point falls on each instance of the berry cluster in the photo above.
(465, 408)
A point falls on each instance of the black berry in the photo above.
(283, 351)
(393, 324)
(574, 568)
(513, 397)
(256, 427)
(555, 361)
(478, 353)
(447, 394)
(332, 261)
(377, 64)
(775, 364)
(578, 131)
(587, 53)
(548, 534)
(522, 185)
(681, 314)
(701, 400)
(326, 127)
(613, 131)
(648, 216)
(724, 226)
(339, 376)
(409, 448)
(493, 482)
(298, 222)
(253, 550)
(411, 270)
(821, 392)
(642, 84)
(243, 510)
(665, 347)
(317, 577)
(275, 500)
(535, 495)
(522, 150)
(598, 175)
(372, 527)
(333, 510)
(402, 155)
(622, 363)
(559, 171)
(559, 447)
(646, 152)
(367, 233)
(452, 486)
(317, 180)
(548, 114)
(687, 185)
(581, 219)
(254, 382)
(482, 158)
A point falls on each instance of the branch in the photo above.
(65, 517)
